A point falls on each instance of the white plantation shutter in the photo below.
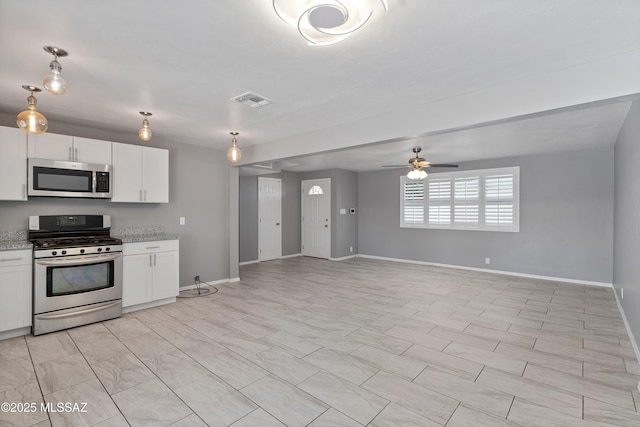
(439, 201)
(486, 199)
(499, 208)
(467, 200)
(413, 202)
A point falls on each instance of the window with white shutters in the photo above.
(484, 199)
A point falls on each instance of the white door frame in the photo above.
(262, 225)
(305, 185)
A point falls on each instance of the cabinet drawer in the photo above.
(11, 258)
(147, 247)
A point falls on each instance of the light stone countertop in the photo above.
(14, 240)
(141, 234)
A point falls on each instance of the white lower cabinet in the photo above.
(150, 271)
(15, 289)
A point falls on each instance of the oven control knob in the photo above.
(108, 249)
(64, 252)
(54, 253)
(81, 251)
(99, 249)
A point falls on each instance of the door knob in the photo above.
(326, 225)
(277, 223)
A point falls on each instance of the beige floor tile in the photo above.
(284, 365)
(344, 396)
(297, 346)
(176, 369)
(529, 414)
(149, 346)
(466, 417)
(578, 354)
(121, 373)
(581, 386)
(533, 391)
(209, 327)
(215, 402)
(234, 369)
(333, 418)
(489, 358)
(50, 347)
(198, 346)
(403, 366)
(16, 373)
(379, 340)
(90, 332)
(117, 421)
(502, 336)
(342, 365)
(484, 343)
(13, 348)
(242, 344)
(470, 393)
(99, 406)
(101, 349)
(445, 362)
(27, 394)
(61, 373)
(540, 358)
(150, 403)
(127, 327)
(430, 404)
(169, 329)
(258, 418)
(394, 415)
(290, 405)
(597, 411)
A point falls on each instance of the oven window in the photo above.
(62, 179)
(77, 279)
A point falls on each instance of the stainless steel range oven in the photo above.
(77, 271)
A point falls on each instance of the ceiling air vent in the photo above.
(251, 99)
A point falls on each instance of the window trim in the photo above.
(481, 174)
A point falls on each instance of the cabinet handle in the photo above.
(140, 195)
(145, 195)
(10, 259)
(76, 156)
(154, 259)
(153, 247)
(70, 156)
(24, 191)
(150, 260)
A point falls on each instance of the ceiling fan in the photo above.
(420, 162)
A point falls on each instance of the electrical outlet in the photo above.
(183, 220)
(351, 249)
(487, 261)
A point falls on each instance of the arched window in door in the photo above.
(315, 190)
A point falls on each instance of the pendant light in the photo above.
(145, 133)
(417, 173)
(234, 153)
(54, 83)
(30, 120)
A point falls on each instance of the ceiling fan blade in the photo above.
(395, 166)
(442, 165)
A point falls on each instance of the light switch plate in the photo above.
(343, 211)
(183, 220)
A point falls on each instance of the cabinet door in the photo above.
(155, 168)
(87, 150)
(127, 173)
(51, 146)
(15, 297)
(166, 275)
(13, 164)
(136, 279)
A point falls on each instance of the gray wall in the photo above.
(566, 220)
(198, 190)
(626, 268)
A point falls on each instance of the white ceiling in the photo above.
(428, 72)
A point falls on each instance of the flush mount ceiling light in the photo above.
(30, 120)
(326, 22)
(234, 153)
(54, 83)
(417, 173)
(145, 133)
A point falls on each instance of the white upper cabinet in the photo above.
(69, 148)
(140, 174)
(13, 164)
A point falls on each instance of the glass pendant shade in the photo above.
(145, 133)
(30, 120)
(54, 83)
(234, 153)
(417, 173)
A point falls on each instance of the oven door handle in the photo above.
(91, 259)
(76, 313)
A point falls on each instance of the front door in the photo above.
(316, 218)
(269, 219)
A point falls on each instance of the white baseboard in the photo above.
(15, 333)
(290, 256)
(255, 261)
(234, 279)
(342, 258)
(486, 270)
(150, 304)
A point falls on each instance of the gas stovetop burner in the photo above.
(75, 241)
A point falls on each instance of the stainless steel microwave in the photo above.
(57, 178)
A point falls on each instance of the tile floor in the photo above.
(308, 342)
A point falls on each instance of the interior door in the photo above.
(269, 218)
(316, 218)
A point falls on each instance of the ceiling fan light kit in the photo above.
(326, 22)
(30, 120)
(54, 83)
